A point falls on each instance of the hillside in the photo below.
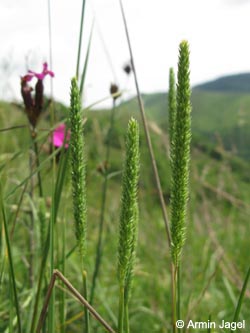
(218, 215)
(219, 117)
(231, 83)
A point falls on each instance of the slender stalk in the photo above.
(121, 310)
(51, 324)
(126, 318)
(51, 247)
(32, 221)
(80, 40)
(103, 206)
(178, 294)
(74, 292)
(62, 301)
(11, 264)
(241, 297)
(85, 293)
(38, 164)
(173, 293)
(147, 134)
(83, 76)
(34, 161)
(12, 127)
(11, 306)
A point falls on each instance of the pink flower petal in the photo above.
(41, 76)
(59, 135)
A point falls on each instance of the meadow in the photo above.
(71, 211)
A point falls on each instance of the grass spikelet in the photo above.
(128, 219)
(171, 106)
(180, 155)
(78, 173)
(78, 169)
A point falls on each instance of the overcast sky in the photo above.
(217, 31)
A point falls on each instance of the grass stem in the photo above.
(85, 293)
(147, 134)
(173, 303)
(11, 264)
(241, 297)
(80, 40)
(121, 310)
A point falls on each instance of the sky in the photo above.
(217, 32)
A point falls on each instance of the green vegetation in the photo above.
(215, 254)
(42, 230)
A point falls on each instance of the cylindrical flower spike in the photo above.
(78, 169)
(128, 219)
(180, 155)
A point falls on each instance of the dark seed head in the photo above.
(114, 90)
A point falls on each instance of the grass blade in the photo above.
(80, 39)
(12, 272)
(242, 294)
(83, 76)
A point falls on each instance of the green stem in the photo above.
(11, 307)
(126, 318)
(242, 294)
(62, 303)
(85, 293)
(121, 310)
(173, 279)
(39, 178)
(179, 295)
(83, 76)
(32, 223)
(103, 205)
(51, 327)
(12, 273)
(80, 40)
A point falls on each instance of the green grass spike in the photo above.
(128, 220)
(78, 169)
(180, 155)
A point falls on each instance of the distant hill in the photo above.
(221, 112)
(231, 83)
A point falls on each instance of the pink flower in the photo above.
(34, 101)
(40, 76)
(58, 138)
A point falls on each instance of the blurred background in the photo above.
(217, 31)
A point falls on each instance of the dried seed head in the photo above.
(114, 91)
(127, 68)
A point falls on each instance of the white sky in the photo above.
(217, 31)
